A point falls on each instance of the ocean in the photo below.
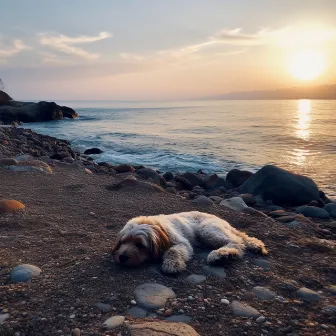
(217, 136)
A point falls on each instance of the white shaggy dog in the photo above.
(172, 237)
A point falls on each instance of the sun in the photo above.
(306, 64)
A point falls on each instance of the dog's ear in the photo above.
(159, 241)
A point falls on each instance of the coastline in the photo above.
(73, 214)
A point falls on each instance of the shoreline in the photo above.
(70, 221)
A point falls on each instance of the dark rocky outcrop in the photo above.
(91, 151)
(15, 111)
(4, 98)
(237, 177)
(281, 186)
(194, 179)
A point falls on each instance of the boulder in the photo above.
(194, 179)
(237, 177)
(331, 209)
(4, 98)
(124, 168)
(184, 182)
(281, 186)
(238, 204)
(203, 200)
(91, 151)
(313, 212)
(34, 112)
(168, 176)
(149, 173)
(8, 162)
(24, 273)
(214, 182)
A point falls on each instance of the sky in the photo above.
(163, 50)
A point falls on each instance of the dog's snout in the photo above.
(123, 258)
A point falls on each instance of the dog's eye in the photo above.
(139, 245)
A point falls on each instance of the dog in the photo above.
(172, 237)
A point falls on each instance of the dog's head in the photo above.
(141, 239)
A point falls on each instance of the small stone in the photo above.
(10, 206)
(91, 213)
(225, 301)
(133, 302)
(218, 272)
(196, 278)
(203, 200)
(76, 332)
(72, 316)
(241, 309)
(263, 293)
(113, 322)
(137, 312)
(3, 317)
(313, 212)
(103, 307)
(262, 263)
(179, 318)
(308, 295)
(329, 310)
(24, 273)
(190, 298)
(153, 296)
(88, 171)
(261, 319)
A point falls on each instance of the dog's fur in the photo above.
(172, 237)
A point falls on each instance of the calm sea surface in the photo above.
(214, 135)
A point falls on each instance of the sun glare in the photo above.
(306, 64)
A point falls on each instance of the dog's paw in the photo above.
(173, 266)
(222, 256)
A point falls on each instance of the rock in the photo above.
(308, 295)
(331, 209)
(137, 312)
(261, 319)
(289, 285)
(148, 173)
(153, 296)
(241, 309)
(4, 98)
(262, 263)
(196, 278)
(168, 176)
(248, 199)
(24, 273)
(280, 213)
(92, 151)
(218, 272)
(237, 177)
(213, 182)
(194, 179)
(36, 163)
(313, 212)
(237, 204)
(24, 158)
(203, 200)
(19, 169)
(10, 206)
(88, 171)
(103, 307)
(59, 155)
(179, 318)
(8, 162)
(331, 225)
(216, 199)
(286, 219)
(184, 182)
(263, 293)
(76, 332)
(113, 322)
(124, 168)
(225, 302)
(34, 112)
(161, 329)
(329, 310)
(314, 203)
(3, 318)
(171, 190)
(331, 290)
(281, 186)
(68, 159)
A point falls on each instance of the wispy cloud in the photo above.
(11, 48)
(65, 44)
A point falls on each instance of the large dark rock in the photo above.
(4, 98)
(91, 151)
(34, 112)
(237, 177)
(281, 186)
(214, 182)
(184, 182)
(194, 179)
(149, 173)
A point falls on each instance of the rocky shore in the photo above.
(61, 210)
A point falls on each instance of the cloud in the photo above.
(11, 48)
(65, 44)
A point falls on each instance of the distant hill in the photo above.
(303, 92)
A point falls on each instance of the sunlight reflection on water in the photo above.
(304, 118)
